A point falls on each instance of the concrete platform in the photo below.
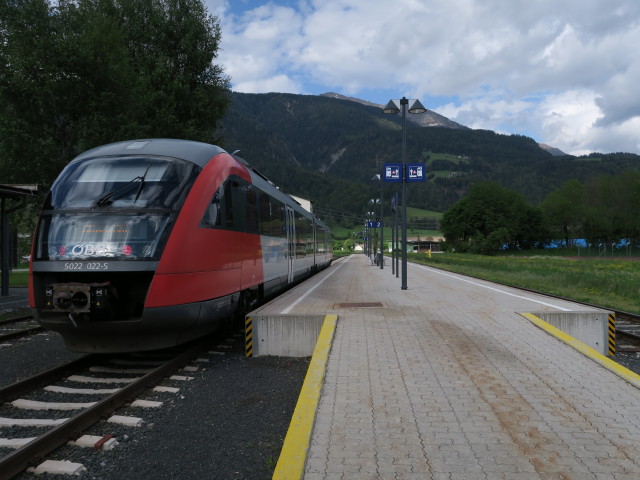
(448, 380)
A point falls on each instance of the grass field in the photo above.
(19, 279)
(611, 283)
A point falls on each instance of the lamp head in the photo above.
(417, 107)
(391, 107)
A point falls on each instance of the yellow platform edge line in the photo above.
(293, 455)
(614, 367)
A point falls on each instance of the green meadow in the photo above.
(19, 279)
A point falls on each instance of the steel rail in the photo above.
(9, 321)
(630, 337)
(11, 392)
(23, 457)
(21, 333)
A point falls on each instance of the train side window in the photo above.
(219, 212)
(212, 213)
(308, 230)
(231, 204)
(265, 214)
(278, 219)
(251, 209)
(301, 241)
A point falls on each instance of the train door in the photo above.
(291, 243)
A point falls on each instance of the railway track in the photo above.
(37, 426)
(627, 332)
(17, 327)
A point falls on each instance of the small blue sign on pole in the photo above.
(392, 172)
(374, 224)
(416, 172)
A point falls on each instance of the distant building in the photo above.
(421, 246)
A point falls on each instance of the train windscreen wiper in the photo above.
(142, 179)
(114, 194)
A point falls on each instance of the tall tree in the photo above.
(564, 211)
(488, 218)
(88, 72)
(612, 208)
(628, 204)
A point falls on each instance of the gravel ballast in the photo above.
(228, 422)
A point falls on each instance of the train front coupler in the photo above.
(78, 299)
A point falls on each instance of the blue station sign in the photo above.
(374, 224)
(415, 172)
(392, 172)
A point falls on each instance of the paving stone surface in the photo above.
(448, 381)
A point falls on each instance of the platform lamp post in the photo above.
(378, 178)
(368, 230)
(372, 231)
(395, 267)
(397, 239)
(369, 234)
(378, 201)
(364, 238)
(392, 107)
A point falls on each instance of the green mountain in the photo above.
(327, 148)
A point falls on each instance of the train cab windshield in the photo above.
(136, 182)
(117, 207)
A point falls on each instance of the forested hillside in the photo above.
(328, 149)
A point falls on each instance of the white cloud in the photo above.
(217, 7)
(567, 119)
(257, 48)
(564, 72)
(276, 83)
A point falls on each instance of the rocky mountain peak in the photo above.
(427, 119)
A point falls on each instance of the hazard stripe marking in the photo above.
(248, 337)
(612, 334)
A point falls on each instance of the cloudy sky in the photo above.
(565, 72)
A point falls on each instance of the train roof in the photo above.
(196, 152)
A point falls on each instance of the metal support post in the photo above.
(403, 106)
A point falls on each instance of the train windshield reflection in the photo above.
(123, 182)
(94, 236)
